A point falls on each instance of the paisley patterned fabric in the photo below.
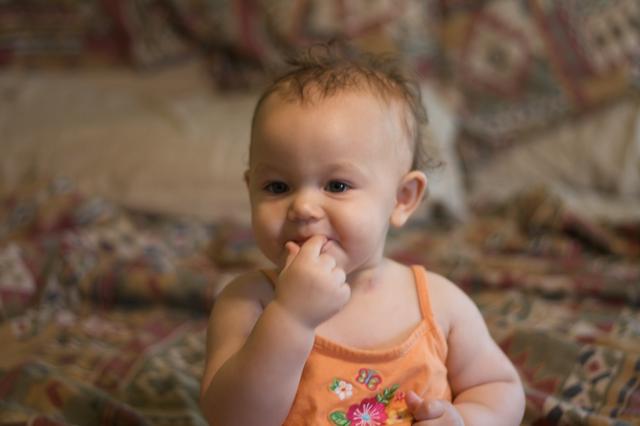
(104, 310)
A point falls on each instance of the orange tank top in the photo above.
(346, 386)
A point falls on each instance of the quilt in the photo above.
(103, 310)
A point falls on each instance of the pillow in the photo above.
(592, 162)
(165, 143)
(446, 183)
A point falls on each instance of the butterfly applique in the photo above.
(370, 378)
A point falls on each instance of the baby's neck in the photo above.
(369, 279)
(377, 294)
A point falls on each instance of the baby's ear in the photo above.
(408, 198)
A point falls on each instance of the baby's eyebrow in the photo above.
(262, 168)
(346, 167)
(341, 169)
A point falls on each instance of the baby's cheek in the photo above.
(267, 232)
(268, 218)
(358, 227)
(372, 231)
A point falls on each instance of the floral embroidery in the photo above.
(369, 412)
(339, 418)
(387, 407)
(341, 388)
(397, 410)
(370, 378)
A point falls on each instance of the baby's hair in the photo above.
(327, 69)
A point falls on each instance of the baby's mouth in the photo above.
(302, 240)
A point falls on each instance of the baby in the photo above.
(336, 333)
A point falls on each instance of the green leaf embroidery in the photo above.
(334, 384)
(339, 418)
(385, 396)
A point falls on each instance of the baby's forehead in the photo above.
(392, 113)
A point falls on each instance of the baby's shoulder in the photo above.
(248, 287)
(448, 301)
(239, 305)
(440, 286)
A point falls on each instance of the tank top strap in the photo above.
(422, 288)
(426, 309)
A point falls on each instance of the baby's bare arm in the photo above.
(254, 359)
(485, 385)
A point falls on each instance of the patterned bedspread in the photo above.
(103, 311)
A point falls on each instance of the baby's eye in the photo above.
(276, 187)
(337, 186)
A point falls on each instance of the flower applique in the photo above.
(397, 410)
(341, 388)
(386, 408)
(370, 412)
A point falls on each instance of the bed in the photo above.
(105, 308)
(121, 220)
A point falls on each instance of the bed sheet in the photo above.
(104, 310)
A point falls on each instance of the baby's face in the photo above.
(331, 167)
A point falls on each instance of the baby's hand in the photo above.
(310, 286)
(433, 413)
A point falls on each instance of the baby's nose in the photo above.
(305, 206)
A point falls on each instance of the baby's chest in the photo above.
(374, 323)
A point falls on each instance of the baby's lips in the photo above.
(303, 240)
(324, 246)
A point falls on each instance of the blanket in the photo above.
(103, 310)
